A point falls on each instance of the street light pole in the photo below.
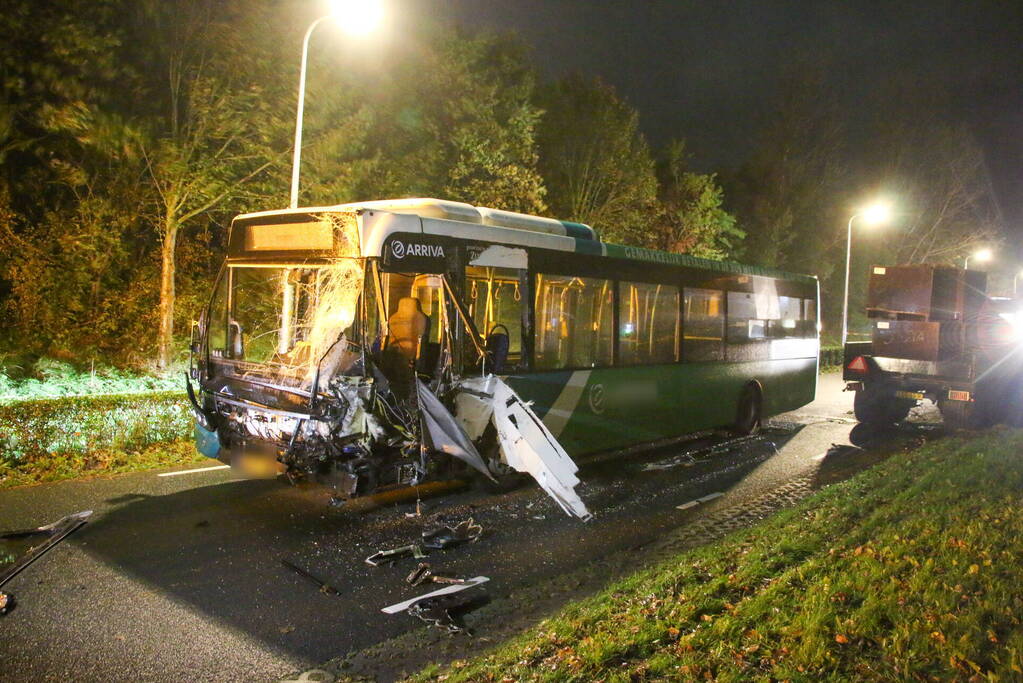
(845, 296)
(297, 158)
(875, 214)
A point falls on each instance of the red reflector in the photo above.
(858, 364)
(955, 395)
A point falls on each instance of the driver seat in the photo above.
(406, 328)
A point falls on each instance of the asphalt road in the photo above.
(180, 577)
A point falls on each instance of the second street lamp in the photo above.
(357, 18)
(979, 255)
(877, 213)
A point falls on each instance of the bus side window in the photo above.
(574, 322)
(703, 325)
(648, 323)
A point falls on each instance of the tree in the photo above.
(214, 138)
(595, 161)
(68, 181)
(691, 219)
(454, 118)
(947, 206)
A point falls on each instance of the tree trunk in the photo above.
(165, 339)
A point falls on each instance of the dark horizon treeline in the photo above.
(131, 133)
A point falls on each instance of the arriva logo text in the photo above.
(401, 249)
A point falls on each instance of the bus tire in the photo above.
(876, 404)
(749, 410)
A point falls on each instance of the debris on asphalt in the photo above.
(53, 534)
(423, 573)
(445, 612)
(7, 603)
(389, 556)
(446, 536)
(316, 581)
(405, 604)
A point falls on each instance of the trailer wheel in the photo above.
(749, 410)
(877, 404)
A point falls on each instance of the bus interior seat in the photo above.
(496, 346)
(407, 327)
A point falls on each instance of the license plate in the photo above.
(956, 395)
(915, 395)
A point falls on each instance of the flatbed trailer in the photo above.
(936, 335)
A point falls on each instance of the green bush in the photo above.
(50, 378)
(831, 356)
(83, 424)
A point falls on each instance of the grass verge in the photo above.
(909, 570)
(58, 466)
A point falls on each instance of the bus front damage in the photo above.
(310, 362)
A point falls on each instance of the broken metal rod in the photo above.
(423, 573)
(316, 581)
(55, 532)
(388, 556)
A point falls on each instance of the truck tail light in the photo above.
(858, 364)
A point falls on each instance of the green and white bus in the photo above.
(334, 333)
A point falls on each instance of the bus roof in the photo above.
(457, 219)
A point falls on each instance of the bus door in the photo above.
(496, 296)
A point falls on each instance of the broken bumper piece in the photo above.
(388, 556)
(528, 446)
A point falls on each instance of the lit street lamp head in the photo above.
(981, 255)
(877, 213)
(357, 17)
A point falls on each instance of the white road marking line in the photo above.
(454, 588)
(819, 457)
(200, 469)
(704, 499)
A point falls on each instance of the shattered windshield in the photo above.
(287, 316)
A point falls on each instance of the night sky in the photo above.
(703, 71)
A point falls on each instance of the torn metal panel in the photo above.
(446, 536)
(444, 432)
(528, 446)
(445, 612)
(404, 605)
(474, 404)
(53, 534)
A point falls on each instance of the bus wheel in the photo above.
(748, 411)
(505, 478)
(876, 404)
